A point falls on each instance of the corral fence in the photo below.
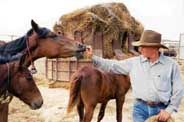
(62, 69)
(181, 47)
(7, 38)
(177, 46)
(173, 48)
(181, 52)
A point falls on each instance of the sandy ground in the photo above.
(54, 108)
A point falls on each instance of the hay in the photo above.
(111, 19)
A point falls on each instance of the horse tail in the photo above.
(74, 92)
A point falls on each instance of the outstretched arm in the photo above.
(114, 66)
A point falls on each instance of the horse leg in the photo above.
(4, 112)
(89, 110)
(102, 111)
(80, 109)
(119, 106)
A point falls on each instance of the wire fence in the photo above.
(7, 37)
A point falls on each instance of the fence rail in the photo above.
(7, 37)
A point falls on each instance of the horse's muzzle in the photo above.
(81, 47)
(36, 104)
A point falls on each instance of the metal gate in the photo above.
(181, 46)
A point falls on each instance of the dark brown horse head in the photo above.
(51, 45)
(22, 85)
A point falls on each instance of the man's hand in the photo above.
(163, 115)
(89, 52)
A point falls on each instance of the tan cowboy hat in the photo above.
(154, 119)
(150, 38)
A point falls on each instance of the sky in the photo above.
(164, 16)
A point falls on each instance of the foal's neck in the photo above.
(6, 71)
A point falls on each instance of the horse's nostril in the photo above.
(82, 47)
(37, 104)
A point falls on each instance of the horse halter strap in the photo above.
(33, 68)
(6, 97)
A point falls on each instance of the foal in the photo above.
(16, 80)
(90, 86)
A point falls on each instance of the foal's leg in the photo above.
(80, 110)
(89, 109)
(4, 112)
(102, 111)
(119, 105)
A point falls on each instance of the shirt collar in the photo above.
(143, 59)
(160, 59)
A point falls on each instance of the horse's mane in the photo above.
(13, 47)
(18, 45)
(4, 78)
(13, 67)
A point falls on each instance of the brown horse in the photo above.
(90, 86)
(51, 45)
(41, 42)
(17, 81)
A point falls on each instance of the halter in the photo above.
(33, 68)
(6, 97)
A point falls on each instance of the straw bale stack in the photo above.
(112, 19)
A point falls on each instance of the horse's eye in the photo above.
(54, 36)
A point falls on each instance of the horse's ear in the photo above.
(35, 26)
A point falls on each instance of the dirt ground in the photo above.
(54, 108)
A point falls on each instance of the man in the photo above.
(156, 82)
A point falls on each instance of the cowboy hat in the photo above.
(150, 38)
(154, 119)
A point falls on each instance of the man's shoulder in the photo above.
(134, 59)
(168, 59)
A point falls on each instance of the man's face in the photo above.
(148, 51)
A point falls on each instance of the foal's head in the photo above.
(48, 44)
(22, 85)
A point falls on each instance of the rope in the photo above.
(33, 69)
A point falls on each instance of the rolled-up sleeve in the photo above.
(114, 66)
(177, 91)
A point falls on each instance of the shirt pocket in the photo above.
(162, 83)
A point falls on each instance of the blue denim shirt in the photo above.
(159, 81)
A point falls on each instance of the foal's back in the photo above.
(100, 84)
